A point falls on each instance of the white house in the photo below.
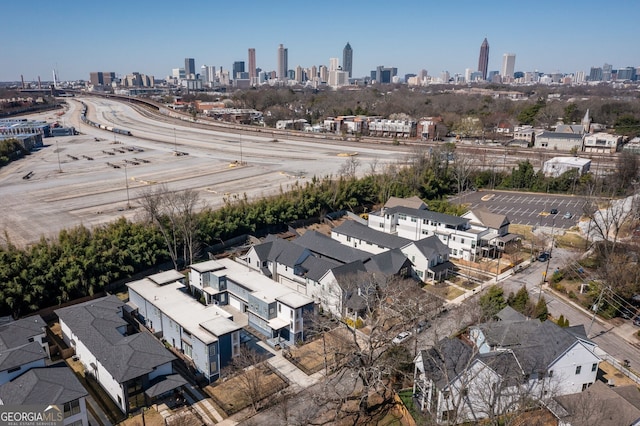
(430, 258)
(205, 334)
(22, 347)
(558, 141)
(54, 385)
(463, 239)
(123, 364)
(505, 361)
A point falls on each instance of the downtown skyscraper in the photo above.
(508, 64)
(252, 65)
(189, 67)
(483, 61)
(283, 65)
(347, 59)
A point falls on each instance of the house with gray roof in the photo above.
(357, 235)
(123, 364)
(503, 362)
(23, 346)
(600, 405)
(325, 247)
(53, 385)
(430, 259)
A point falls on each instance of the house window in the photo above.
(13, 370)
(381, 225)
(461, 240)
(71, 408)
(30, 339)
(594, 367)
(413, 219)
(402, 216)
(578, 369)
(425, 232)
(279, 307)
(413, 259)
(550, 373)
(585, 386)
(213, 367)
(212, 350)
(348, 239)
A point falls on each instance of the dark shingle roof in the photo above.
(431, 247)
(55, 384)
(316, 267)
(357, 230)
(536, 344)
(324, 246)
(124, 357)
(391, 262)
(17, 333)
(510, 314)
(430, 215)
(21, 355)
(446, 360)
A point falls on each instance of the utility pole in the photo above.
(126, 181)
(546, 271)
(58, 152)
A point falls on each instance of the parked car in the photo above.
(544, 256)
(553, 211)
(625, 313)
(421, 326)
(567, 215)
(401, 337)
(636, 321)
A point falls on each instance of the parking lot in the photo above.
(528, 208)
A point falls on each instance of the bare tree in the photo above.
(248, 364)
(350, 167)
(463, 166)
(173, 214)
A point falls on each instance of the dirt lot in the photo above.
(236, 393)
(311, 356)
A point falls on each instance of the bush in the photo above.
(358, 323)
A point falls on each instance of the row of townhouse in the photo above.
(429, 256)
(273, 309)
(500, 364)
(206, 335)
(332, 275)
(478, 233)
(28, 378)
(371, 126)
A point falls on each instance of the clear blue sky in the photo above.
(77, 37)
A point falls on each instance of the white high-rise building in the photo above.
(334, 64)
(324, 73)
(508, 65)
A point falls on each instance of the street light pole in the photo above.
(126, 181)
(553, 234)
(58, 152)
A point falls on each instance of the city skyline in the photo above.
(115, 38)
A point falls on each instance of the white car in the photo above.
(401, 337)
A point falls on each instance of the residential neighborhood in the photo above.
(177, 331)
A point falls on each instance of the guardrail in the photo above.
(624, 367)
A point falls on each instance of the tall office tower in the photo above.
(508, 64)
(238, 67)
(299, 76)
(252, 64)
(607, 70)
(595, 74)
(483, 61)
(347, 59)
(283, 65)
(211, 74)
(189, 67)
(204, 73)
(334, 64)
(324, 73)
(313, 73)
